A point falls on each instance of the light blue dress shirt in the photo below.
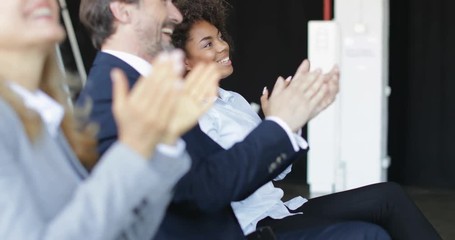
(229, 121)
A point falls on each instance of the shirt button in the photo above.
(272, 167)
(279, 159)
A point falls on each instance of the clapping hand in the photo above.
(143, 113)
(161, 106)
(198, 95)
(299, 100)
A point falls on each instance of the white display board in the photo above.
(348, 142)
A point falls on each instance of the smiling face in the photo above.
(153, 22)
(29, 23)
(205, 44)
(174, 18)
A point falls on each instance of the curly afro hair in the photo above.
(212, 11)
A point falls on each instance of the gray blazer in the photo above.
(46, 194)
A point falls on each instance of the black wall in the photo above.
(422, 105)
(270, 39)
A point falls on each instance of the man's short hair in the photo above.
(97, 17)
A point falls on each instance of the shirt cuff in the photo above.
(172, 150)
(303, 144)
(297, 141)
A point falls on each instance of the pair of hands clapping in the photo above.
(162, 106)
(298, 101)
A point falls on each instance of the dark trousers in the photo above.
(383, 204)
(348, 230)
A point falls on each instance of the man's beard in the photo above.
(167, 46)
(159, 45)
(153, 49)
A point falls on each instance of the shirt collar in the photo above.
(225, 96)
(50, 111)
(139, 64)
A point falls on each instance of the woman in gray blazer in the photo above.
(46, 193)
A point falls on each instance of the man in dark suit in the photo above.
(129, 35)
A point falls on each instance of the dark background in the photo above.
(270, 40)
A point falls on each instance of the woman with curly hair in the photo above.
(203, 37)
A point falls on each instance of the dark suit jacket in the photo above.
(201, 207)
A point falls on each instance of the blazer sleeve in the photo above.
(103, 206)
(219, 177)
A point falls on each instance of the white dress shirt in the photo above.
(49, 110)
(229, 121)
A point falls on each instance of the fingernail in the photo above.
(178, 67)
(177, 55)
(264, 91)
(288, 79)
(164, 56)
(114, 73)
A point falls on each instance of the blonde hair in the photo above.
(82, 138)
